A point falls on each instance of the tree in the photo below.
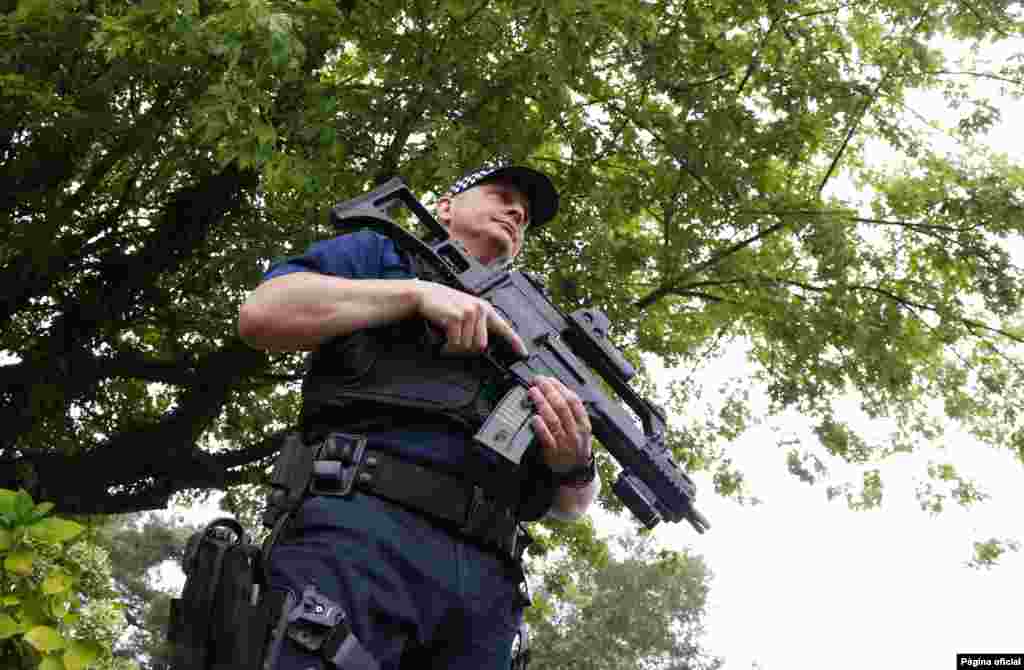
(640, 611)
(142, 542)
(155, 156)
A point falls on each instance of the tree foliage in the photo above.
(143, 543)
(57, 610)
(643, 611)
(154, 156)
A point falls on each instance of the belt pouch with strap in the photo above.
(225, 614)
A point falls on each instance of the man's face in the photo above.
(490, 219)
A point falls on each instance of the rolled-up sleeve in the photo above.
(361, 255)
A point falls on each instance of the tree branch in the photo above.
(119, 478)
(755, 60)
(980, 75)
(683, 161)
(906, 303)
(982, 20)
(970, 323)
(842, 214)
(860, 117)
(62, 361)
(659, 293)
(850, 131)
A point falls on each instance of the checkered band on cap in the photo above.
(471, 179)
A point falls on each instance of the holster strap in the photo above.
(320, 625)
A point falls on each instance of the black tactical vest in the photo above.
(397, 366)
(365, 380)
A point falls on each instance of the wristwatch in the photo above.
(578, 477)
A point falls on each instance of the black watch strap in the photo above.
(578, 477)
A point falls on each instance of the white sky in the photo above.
(803, 583)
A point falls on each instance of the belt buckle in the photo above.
(337, 466)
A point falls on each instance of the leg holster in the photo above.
(228, 618)
(319, 626)
(226, 614)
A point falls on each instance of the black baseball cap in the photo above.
(536, 185)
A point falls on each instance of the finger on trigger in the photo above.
(480, 332)
(504, 328)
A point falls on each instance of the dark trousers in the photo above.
(418, 596)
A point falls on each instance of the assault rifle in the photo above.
(651, 484)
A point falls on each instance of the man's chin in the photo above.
(491, 248)
(502, 245)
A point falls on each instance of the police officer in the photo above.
(423, 555)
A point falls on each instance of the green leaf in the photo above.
(51, 663)
(80, 654)
(7, 498)
(19, 563)
(41, 510)
(7, 601)
(265, 134)
(58, 606)
(278, 50)
(33, 613)
(55, 530)
(6, 539)
(8, 627)
(328, 135)
(183, 24)
(45, 639)
(57, 581)
(23, 505)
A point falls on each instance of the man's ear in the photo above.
(444, 210)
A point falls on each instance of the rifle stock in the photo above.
(651, 485)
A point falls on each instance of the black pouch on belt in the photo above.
(225, 614)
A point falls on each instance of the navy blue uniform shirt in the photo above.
(369, 255)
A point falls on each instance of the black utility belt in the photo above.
(342, 463)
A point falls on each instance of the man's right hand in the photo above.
(466, 321)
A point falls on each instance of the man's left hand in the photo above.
(561, 425)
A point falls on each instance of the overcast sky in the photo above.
(803, 583)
